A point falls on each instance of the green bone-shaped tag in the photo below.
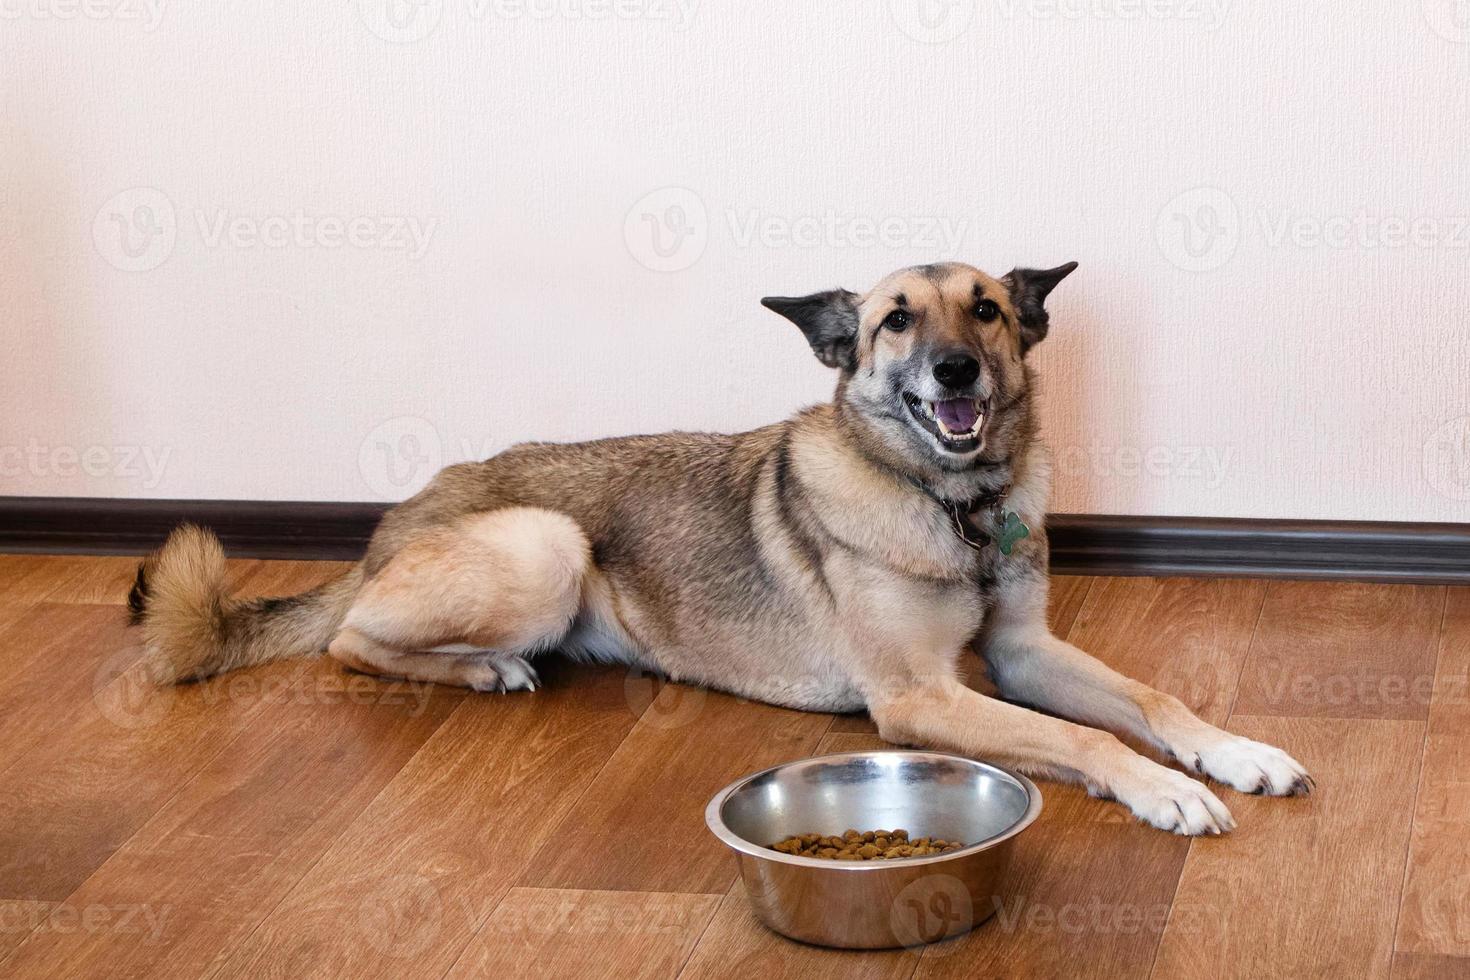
(1012, 529)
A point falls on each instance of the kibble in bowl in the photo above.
(860, 889)
(865, 845)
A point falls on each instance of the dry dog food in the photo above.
(869, 845)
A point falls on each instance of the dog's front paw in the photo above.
(1172, 801)
(1251, 767)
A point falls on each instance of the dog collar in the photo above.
(1006, 525)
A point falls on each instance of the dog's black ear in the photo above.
(1029, 289)
(829, 320)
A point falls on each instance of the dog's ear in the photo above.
(829, 320)
(1029, 289)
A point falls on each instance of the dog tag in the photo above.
(1012, 529)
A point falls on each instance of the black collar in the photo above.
(961, 513)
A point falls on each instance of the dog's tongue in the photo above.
(957, 414)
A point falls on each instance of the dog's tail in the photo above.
(194, 629)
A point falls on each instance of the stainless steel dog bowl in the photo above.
(875, 904)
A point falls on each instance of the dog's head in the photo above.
(932, 359)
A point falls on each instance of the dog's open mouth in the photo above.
(954, 422)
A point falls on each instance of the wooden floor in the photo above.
(297, 821)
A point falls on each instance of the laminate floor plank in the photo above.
(405, 887)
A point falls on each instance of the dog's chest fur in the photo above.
(871, 585)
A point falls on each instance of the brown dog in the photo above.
(843, 559)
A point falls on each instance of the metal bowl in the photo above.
(875, 904)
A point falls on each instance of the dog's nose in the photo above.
(957, 371)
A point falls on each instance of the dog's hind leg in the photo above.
(467, 603)
(483, 670)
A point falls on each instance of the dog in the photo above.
(841, 560)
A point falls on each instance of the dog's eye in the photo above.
(897, 321)
(986, 310)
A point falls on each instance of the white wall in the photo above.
(1309, 357)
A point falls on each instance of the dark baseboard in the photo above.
(248, 528)
(1370, 551)
(1082, 544)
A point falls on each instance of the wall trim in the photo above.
(1082, 544)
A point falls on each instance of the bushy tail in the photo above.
(193, 629)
